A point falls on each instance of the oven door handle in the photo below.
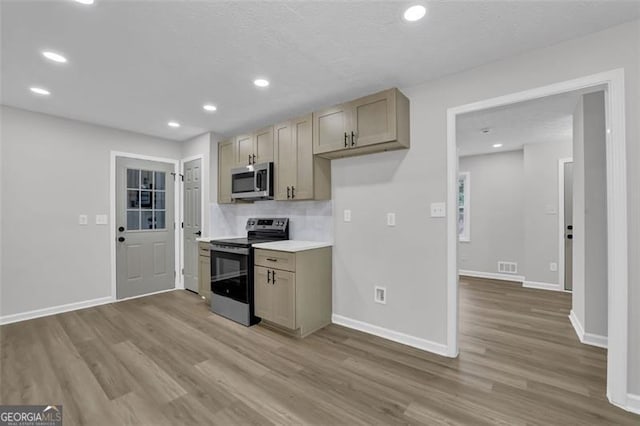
(239, 250)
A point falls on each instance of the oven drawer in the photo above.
(275, 259)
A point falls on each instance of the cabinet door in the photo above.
(283, 298)
(263, 292)
(226, 161)
(329, 129)
(204, 277)
(263, 145)
(302, 138)
(244, 150)
(374, 118)
(284, 161)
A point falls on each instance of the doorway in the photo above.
(617, 263)
(565, 222)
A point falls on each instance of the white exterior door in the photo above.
(145, 243)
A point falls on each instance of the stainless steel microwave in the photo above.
(252, 182)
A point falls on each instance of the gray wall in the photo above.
(53, 170)
(497, 211)
(410, 259)
(590, 215)
(541, 244)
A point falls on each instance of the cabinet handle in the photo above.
(293, 192)
(249, 158)
(271, 259)
(346, 144)
(268, 276)
(288, 193)
(254, 159)
(273, 277)
(353, 138)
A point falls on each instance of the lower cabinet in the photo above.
(293, 290)
(204, 271)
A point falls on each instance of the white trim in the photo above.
(112, 212)
(561, 253)
(633, 403)
(147, 294)
(45, 312)
(203, 188)
(586, 338)
(542, 285)
(491, 275)
(617, 248)
(405, 339)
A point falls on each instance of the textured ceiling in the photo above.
(137, 64)
(548, 119)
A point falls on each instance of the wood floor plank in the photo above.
(167, 360)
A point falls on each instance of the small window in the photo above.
(464, 212)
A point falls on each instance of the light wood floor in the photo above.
(166, 359)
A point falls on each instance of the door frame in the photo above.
(112, 213)
(617, 247)
(204, 187)
(561, 253)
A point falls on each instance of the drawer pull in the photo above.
(270, 259)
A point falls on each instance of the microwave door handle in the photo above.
(258, 181)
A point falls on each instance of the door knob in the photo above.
(121, 229)
(121, 239)
(198, 233)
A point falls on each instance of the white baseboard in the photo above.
(542, 286)
(23, 316)
(633, 403)
(587, 338)
(491, 275)
(147, 294)
(405, 339)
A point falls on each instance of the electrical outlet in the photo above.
(438, 209)
(347, 215)
(83, 219)
(380, 295)
(553, 266)
(391, 219)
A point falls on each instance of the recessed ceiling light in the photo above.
(497, 145)
(173, 124)
(415, 13)
(55, 57)
(40, 91)
(85, 1)
(261, 82)
(209, 107)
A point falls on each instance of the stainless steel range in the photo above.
(232, 268)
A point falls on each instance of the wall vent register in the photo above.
(507, 267)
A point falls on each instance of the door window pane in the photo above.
(133, 220)
(133, 199)
(146, 221)
(159, 222)
(133, 178)
(158, 200)
(145, 199)
(146, 179)
(159, 182)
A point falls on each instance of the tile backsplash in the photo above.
(308, 220)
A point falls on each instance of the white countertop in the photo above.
(224, 237)
(292, 246)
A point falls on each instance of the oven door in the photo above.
(230, 272)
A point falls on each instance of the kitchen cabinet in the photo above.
(254, 148)
(204, 271)
(226, 162)
(299, 175)
(374, 123)
(293, 290)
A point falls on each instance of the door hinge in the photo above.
(182, 225)
(182, 271)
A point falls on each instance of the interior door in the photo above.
(145, 243)
(192, 221)
(568, 226)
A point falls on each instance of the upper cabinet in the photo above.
(226, 161)
(254, 148)
(374, 123)
(299, 175)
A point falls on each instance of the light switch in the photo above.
(391, 219)
(347, 215)
(83, 219)
(101, 219)
(438, 209)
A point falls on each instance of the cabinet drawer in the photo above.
(276, 259)
(204, 250)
